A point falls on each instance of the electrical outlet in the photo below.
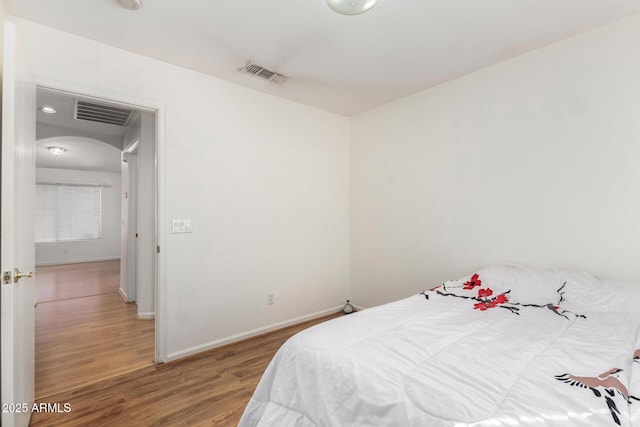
(270, 299)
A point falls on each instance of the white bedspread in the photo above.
(508, 346)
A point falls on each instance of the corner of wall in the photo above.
(123, 294)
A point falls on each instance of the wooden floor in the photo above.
(85, 332)
(209, 389)
(59, 282)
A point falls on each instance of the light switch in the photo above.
(180, 226)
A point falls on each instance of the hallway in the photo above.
(85, 332)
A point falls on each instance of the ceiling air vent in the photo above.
(263, 73)
(100, 113)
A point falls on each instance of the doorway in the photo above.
(95, 240)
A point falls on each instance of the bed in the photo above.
(504, 346)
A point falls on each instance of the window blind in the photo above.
(67, 212)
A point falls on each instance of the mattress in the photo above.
(504, 346)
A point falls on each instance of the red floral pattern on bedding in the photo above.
(474, 282)
(485, 300)
(606, 386)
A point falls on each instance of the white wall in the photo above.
(262, 178)
(128, 193)
(3, 15)
(108, 246)
(137, 281)
(533, 160)
(146, 222)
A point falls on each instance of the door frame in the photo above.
(131, 273)
(160, 208)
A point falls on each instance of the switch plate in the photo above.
(179, 226)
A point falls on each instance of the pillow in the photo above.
(601, 295)
(573, 291)
(524, 285)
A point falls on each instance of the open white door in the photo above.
(17, 257)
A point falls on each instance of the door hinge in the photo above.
(158, 249)
(7, 277)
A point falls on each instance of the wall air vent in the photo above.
(91, 112)
(263, 73)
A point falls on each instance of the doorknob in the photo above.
(17, 275)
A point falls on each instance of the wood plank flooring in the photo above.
(59, 282)
(208, 389)
(85, 332)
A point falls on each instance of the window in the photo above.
(67, 212)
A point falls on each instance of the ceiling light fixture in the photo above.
(48, 109)
(56, 151)
(129, 4)
(351, 7)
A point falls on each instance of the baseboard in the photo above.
(124, 296)
(239, 337)
(147, 316)
(75, 261)
(359, 307)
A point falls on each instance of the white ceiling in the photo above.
(65, 121)
(82, 154)
(90, 145)
(344, 64)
